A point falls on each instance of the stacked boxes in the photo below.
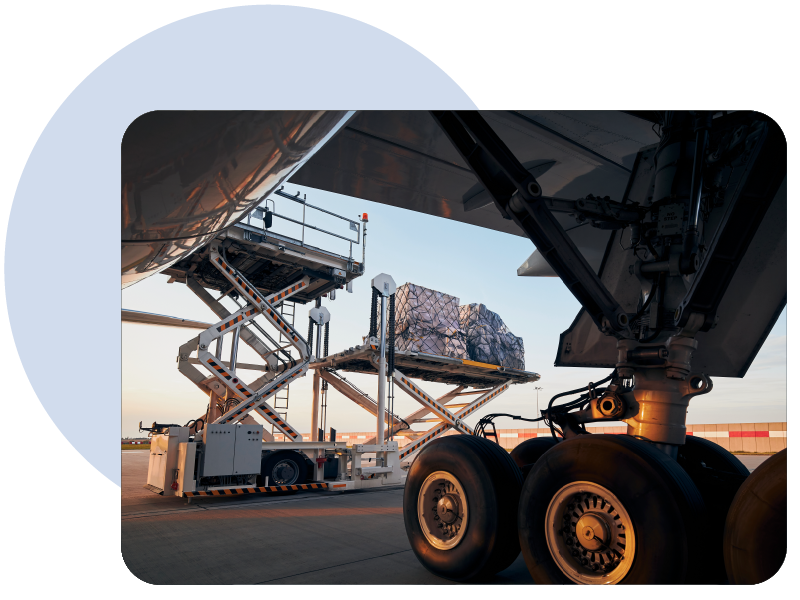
(488, 339)
(427, 321)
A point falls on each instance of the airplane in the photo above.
(669, 228)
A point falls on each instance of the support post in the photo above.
(235, 347)
(385, 286)
(382, 373)
(315, 406)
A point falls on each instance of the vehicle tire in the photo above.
(284, 467)
(754, 542)
(528, 452)
(718, 474)
(475, 486)
(594, 493)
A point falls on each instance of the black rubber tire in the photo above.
(754, 542)
(528, 452)
(665, 507)
(492, 483)
(268, 461)
(718, 474)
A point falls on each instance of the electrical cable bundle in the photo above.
(480, 428)
(579, 402)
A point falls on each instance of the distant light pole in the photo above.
(537, 401)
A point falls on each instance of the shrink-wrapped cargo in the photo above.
(433, 322)
(488, 339)
(428, 321)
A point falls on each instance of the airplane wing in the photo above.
(403, 159)
(175, 199)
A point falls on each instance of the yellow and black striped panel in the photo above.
(288, 291)
(259, 490)
(248, 290)
(224, 266)
(242, 408)
(476, 406)
(230, 323)
(242, 390)
(280, 422)
(238, 410)
(239, 280)
(279, 322)
(247, 393)
(219, 369)
(409, 449)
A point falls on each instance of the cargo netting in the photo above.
(488, 339)
(433, 322)
(427, 321)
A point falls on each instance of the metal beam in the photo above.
(438, 430)
(415, 392)
(145, 318)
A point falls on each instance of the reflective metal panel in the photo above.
(187, 175)
(402, 158)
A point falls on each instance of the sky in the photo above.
(471, 263)
(476, 265)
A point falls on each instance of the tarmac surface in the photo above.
(317, 538)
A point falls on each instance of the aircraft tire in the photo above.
(638, 513)
(754, 542)
(284, 467)
(528, 452)
(718, 475)
(474, 486)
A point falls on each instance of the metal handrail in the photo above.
(354, 225)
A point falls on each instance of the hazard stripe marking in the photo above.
(285, 293)
(442, 428)
(260, 490)
(219, 369)
(442, 412)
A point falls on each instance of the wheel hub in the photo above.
(447, 508)
(284, 473)
(442, 510)
(590, 534)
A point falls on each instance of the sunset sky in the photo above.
(472, 263)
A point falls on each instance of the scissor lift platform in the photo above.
(428, 367)
(270, 262)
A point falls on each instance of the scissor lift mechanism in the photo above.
(445, 420)
(223, 378)
(253, 397)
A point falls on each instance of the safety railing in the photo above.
(265, 215)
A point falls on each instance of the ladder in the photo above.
(287, 311)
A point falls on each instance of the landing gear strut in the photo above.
(621, 509)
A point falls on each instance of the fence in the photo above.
(735, 437)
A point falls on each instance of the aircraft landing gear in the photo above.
(528, 452)
(460, 508)
(718, 474)
(612, 509)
